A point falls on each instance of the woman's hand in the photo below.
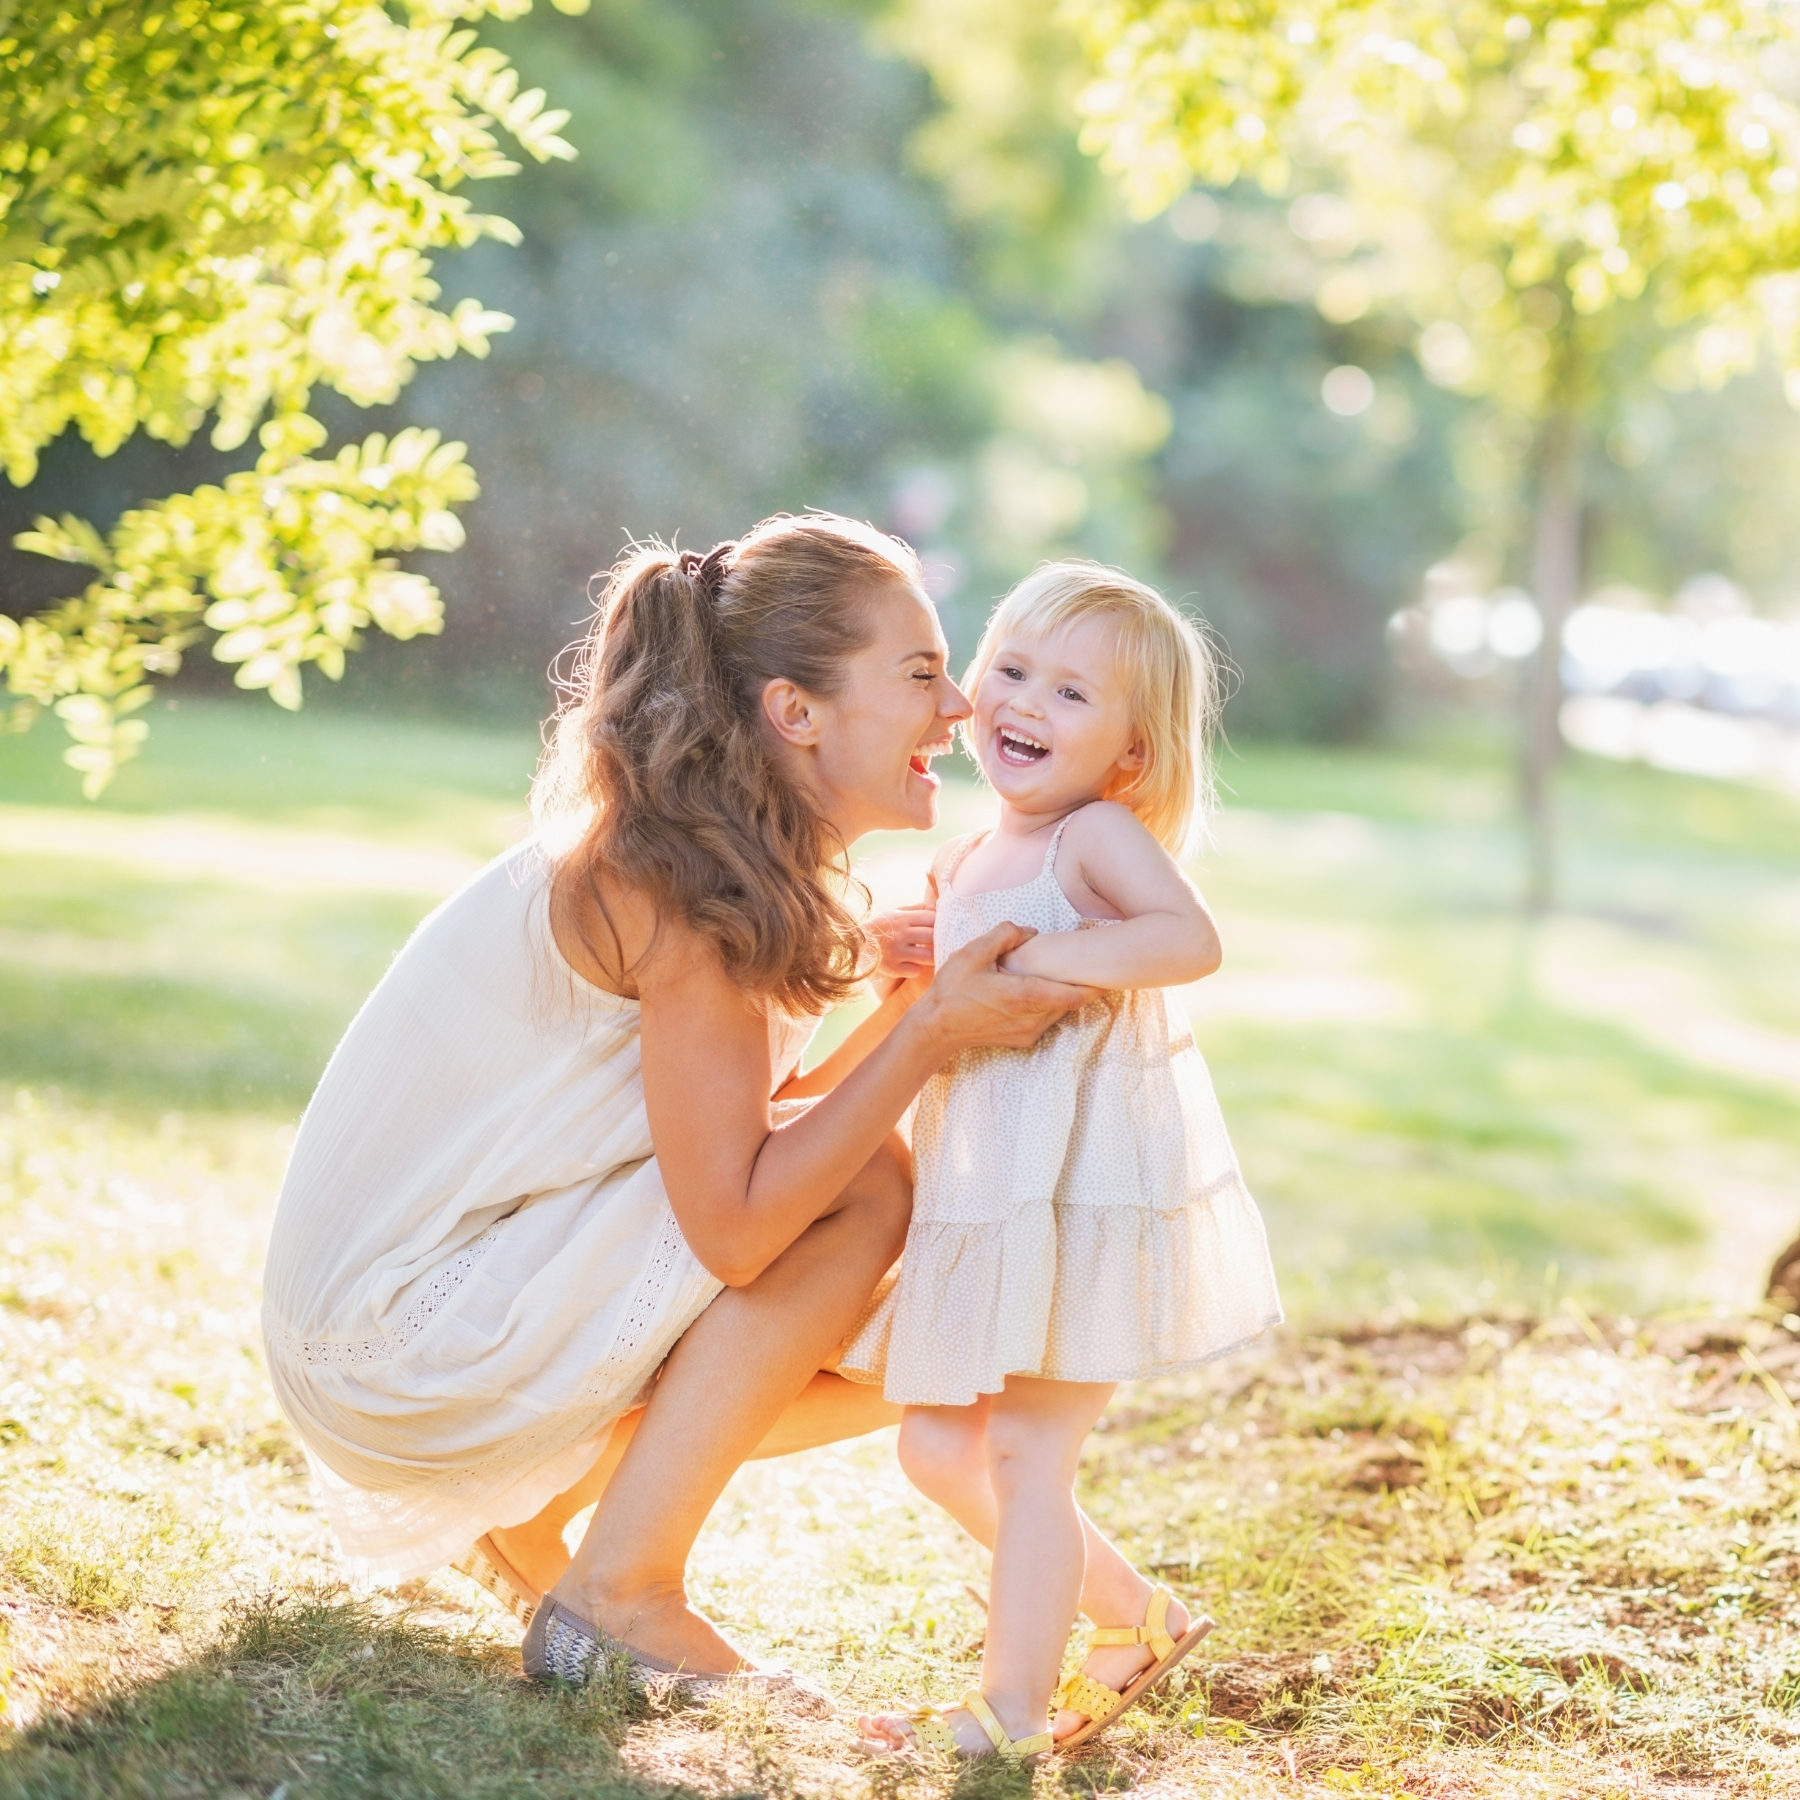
(742, 1191)
(974, 1002)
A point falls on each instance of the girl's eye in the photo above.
(1072, 694)
(1013, 672)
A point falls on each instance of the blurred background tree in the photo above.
(1566, 200)
(213, 211)
(845, 253)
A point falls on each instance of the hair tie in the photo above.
(709, 570)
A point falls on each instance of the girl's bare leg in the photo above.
(725, 1386)
(828, 1410)
(1034, 1435)
(943, 1450)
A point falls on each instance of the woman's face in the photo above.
(865, 752)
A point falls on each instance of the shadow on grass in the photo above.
(325, 1700)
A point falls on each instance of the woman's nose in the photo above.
(953, 703)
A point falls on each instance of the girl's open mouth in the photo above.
(1017, 748)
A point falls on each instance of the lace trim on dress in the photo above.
(437, 1289)
(645, 1310)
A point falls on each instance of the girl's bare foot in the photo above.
(897, 1731)
(1114, 1665)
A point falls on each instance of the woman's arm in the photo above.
(741, 1191)
(895, 992)
(1165, 936)
(867, 1033)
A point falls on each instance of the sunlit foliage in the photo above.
(214, 211)
(1551, 190)
(1502, 166)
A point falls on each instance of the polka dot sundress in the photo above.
(1078, 1212)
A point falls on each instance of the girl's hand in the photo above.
(904, 939)
(973, 1001)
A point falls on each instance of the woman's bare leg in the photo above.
(828, 1410)
(740, 1366)
(536, 1548)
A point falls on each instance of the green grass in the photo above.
(1528, 1554)
(1490, 1560)
(129, 978)
(395, 778)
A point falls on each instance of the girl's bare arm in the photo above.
(1164, 937)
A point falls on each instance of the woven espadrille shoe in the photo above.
(561, 1645)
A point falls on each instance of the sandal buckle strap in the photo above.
(983, 1715)
(1117, 1634)
(1154, 1631)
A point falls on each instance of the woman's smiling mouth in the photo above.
(1019, 748)
(920, 761)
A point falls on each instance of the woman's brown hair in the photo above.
(659, 771)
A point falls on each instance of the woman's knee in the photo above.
(882, 1192)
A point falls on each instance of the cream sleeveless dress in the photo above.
(1078, 1213)
(474, 1269)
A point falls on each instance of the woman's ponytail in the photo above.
(659, 771)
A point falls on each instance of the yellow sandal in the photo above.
(1081, 1693)
(930, 1732)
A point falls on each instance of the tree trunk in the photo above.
(1784, 1278)
(1556, 585)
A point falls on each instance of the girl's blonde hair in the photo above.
(1172, 681)
(659, 773)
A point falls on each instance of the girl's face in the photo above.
(868, 748)
(1053, 726)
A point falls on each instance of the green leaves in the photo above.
(288, 562)
(1504, 162)
(210, 212)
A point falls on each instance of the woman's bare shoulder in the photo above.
(615, 935)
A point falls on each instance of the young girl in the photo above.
(1079, 1218)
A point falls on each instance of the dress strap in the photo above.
(956, 857)
(1049, 867)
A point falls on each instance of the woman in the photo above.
(556, 1226)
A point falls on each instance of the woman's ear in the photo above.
(792, 712)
